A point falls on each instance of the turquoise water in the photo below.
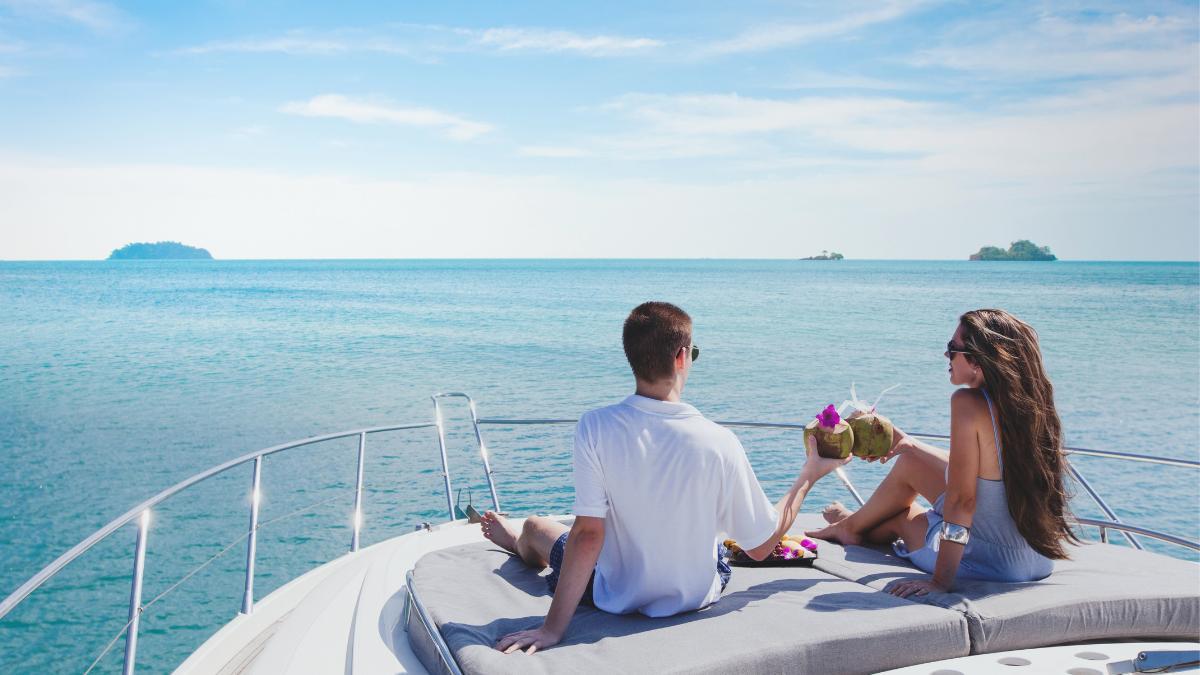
(119, 379)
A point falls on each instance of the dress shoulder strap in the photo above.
(995, 432)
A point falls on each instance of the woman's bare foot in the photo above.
(838, 533)
(498, 531)
(836, 513)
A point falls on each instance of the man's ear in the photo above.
(679, 358)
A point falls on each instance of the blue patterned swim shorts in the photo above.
(560, 547)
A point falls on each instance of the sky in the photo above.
(902, 129)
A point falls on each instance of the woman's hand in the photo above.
(911, 587)
(900, 443)
(534, 639)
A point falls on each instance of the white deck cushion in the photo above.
(768, 621)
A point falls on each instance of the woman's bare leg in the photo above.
(910, 476)
(908, 525)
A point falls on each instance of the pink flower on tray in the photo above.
(829, 417)
(809, 544)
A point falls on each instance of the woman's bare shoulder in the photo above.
(969, 403)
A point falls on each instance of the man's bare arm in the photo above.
(815, 467)
(579, 560)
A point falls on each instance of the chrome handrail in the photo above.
(82, 547)
(483, 452)
(1146, 532)
(1070, 450)
(142, 511)
(1127, 531)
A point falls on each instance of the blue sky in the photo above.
(903, 129)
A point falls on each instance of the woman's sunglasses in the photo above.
(952, 349)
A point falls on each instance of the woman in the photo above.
(999, 502)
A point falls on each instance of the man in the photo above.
(656, 484)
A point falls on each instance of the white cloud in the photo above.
(97, 16)
(731, 114)
(302, 43)
(424, 41)
(792, 33)
(1055, 47)
(542, 40)
(1130, 134)
(552, 151)
(641, 146)
(369, 112)
(819, 80)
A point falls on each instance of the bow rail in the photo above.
(142, 512)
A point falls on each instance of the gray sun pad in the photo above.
(831, 618)
(1104, 592)
(769, 620)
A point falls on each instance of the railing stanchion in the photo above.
(1103, 535)
(1101, 503)
(841, 474)
(441, 430)
(483, 452)
(252, 537)
(135, 594)
(358, 489)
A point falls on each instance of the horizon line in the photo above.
(571, 258)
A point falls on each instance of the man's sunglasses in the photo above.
(952, 349)
(695, 352)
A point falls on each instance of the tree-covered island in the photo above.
(1019, 250)
(825, 255)
(162, 250)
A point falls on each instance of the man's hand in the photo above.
(535, 639)
(816, 466)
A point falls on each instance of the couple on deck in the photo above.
(658, 486)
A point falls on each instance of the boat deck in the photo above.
(350, 616)
(345, 616)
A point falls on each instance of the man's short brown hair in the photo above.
(654, 333)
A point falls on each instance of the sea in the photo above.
(119, 379)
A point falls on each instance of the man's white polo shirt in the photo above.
(670, 485)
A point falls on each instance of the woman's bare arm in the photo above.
(959, 506)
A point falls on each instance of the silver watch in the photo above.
(955, 533)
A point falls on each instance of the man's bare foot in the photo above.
(836, 513)
(498, 531)
(838, 533)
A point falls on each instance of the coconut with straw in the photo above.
(872, 432)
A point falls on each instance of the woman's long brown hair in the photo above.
(1006, 350)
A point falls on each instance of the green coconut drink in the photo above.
(872, 434)
(834, 436)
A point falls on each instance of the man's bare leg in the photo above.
(835, 513)
(532, 543)
(895, 496)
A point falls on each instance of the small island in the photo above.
(162, 250)
(826, 255)
(1019, 250)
